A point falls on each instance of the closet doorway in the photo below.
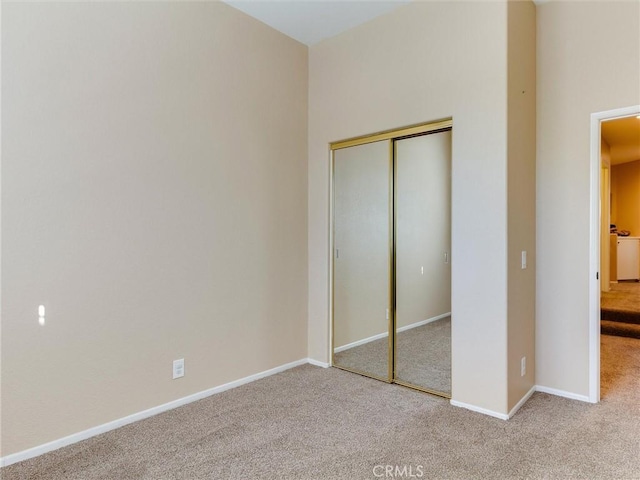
(391, 261)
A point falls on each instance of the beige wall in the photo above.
(625, 183)
(521, 168)
(154, 199)
(422, 62)
(134, 207)
(588, 61)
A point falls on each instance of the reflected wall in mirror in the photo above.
(422, 261)
(361, 258)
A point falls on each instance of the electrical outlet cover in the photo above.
(178, 368)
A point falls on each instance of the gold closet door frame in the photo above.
(391, 136)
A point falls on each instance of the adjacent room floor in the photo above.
(315, 423)
(620, 310)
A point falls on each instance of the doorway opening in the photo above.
(615, 240)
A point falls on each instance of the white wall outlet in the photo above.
(524, 259)
(523, 366)
(178, 368)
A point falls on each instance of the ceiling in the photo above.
(623, 137)
(310, 21)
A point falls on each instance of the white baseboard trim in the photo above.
(562, 393)
(357, 343)
(486, 411)
(522, 401)
(317, 363)
(424, 322)
(106, 427)
(386, 334)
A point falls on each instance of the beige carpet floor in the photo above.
(314, 423)
(423, 356)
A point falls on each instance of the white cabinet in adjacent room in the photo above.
(628, 258)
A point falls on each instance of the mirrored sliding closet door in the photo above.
(361, 262)
(391, 282)
(422, 262)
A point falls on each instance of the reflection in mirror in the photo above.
(423, 267)
(361, 259)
